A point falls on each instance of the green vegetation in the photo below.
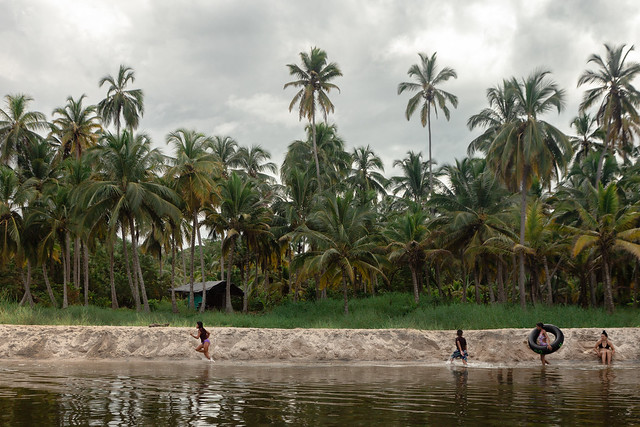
(92, 213)
(393, 310)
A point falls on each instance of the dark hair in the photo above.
(459, 332)
(199, 324)
(605, 334)
(540, 324)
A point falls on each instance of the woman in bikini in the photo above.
(204, 338)
(604, 348)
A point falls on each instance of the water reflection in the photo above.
(157, 393)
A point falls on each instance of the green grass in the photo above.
(384, 311)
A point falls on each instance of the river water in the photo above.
(155, 393)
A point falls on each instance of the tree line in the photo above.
(532, 215)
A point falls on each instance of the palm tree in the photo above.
(125, 189)
(254, 161)
(429, 96)
(313, 78)
(587, 132)
(614, 91)
(364, 173)
(526, 147)
(608, 228)
(193, 179)
(413, 181)
(241, 210)
(120, 102)
(77, 127)
(19, 127)
(344, 243)
(225, 149)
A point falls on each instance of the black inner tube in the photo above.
(555, 345)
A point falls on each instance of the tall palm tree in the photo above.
(19, 127)
(429, 95)
(124, 188)
(614, 92)
(77, 127)
(313, 77)
(241, 210)
(225, 149)
(343, 240)
(193, 170)
(608, 228)
(527, 147)
(587, 135)
(120, 102)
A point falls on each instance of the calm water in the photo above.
(199, 393)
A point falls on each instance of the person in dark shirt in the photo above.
(203, 334)
(604, 348)
(461, 348)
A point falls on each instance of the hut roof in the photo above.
(211, 285)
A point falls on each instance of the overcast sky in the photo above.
(219, 66)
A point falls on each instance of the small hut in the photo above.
(216, 290)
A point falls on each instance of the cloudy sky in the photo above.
(218, 66)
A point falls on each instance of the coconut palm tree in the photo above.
(193, 170)
(254, 161)
(124, 188)
(364, 174)
(608, 228)
(225, 149)
(313, 77)
(19, 127)
(430, 96)
(120, 102)
(528, 147)
(587, 135)
(76, 127)
(343, 240)
(615, 94)
(413, 183)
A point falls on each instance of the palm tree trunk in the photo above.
(502, 298)
(112, 282)
(227, 294)
(245, 287)
(26, 281)
(430, 162)
(136, 265)
(192, 255)
(464, 278)
(133, 283)
(85, 259)
(608, 294)
(548, 276)
(52, 297)
(414, 280)
(203, 304)
(523, 217)
(221, 257)
(476, 282)
(76, 262)
(65, 270)
(603, 155)
(593, 284)
(174, 304)
(315, 146)
(345, 292)
(65, 302)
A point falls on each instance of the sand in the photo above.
(498, 346)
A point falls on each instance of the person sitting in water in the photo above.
(461, 348)
(543, 340)
(604, 348)
(204, 338)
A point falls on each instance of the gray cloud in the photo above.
(219, 66)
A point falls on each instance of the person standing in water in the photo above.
(604, 348)
(543, 340)
(461, 348)
(204, 338)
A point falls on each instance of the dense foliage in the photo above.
(533, 216)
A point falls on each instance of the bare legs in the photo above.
(204, 348)
(605, 354)
(543, 360)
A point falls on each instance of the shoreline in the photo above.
(402, 346)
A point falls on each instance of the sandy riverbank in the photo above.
(298, 345)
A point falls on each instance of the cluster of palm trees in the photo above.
(535, 217)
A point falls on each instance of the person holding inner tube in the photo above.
(543, 340)
(604, 348)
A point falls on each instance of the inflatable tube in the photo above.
(555, 345)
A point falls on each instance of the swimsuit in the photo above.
(542, 340)
(606, 347)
